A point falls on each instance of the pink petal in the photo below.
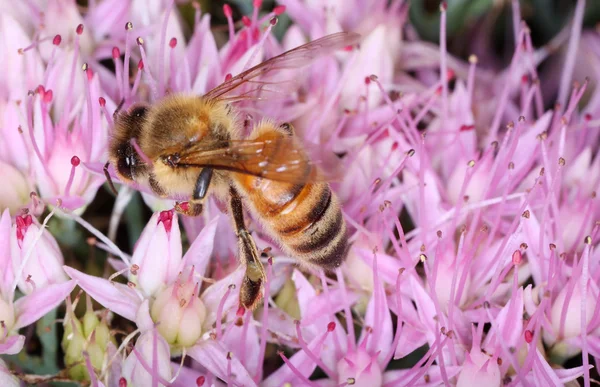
(114, 296)
(199, 253)
(12, 345)
(213, 356)
(301, 361)
(244, 345)
(33, 306)
(213, 295)
(6, 273)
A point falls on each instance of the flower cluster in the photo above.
(471, 206)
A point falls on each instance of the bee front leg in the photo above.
(194, 206)
(252, 282)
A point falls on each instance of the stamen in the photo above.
(228, 15)
(443, 61)
(259, 45)
(138, 77)
(220, 310)
(90, 369)
(571, 56)
(200, 381)
(74, 163)
(116, 55)
(172, 66)
(351, 338)
(67, 108)
(263, 328)
(311, 354)
(296, 372)
(128, 28)
(31, 282)
(161, 55)
(229, 356)
(151, 80)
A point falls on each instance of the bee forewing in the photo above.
(265, 73)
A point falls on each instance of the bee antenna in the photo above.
(108, 178)
(118, 109)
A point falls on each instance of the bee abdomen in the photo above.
(317, 234)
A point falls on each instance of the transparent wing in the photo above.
(276, 157)
(260, 79)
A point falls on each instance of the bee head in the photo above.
(127, 161)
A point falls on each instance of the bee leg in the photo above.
(189, 208)
(252, 282)
(202, 183)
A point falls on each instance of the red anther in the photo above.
(524, 79)
(331, 326)
(57, 39)
(79, 29)
(173, 42)
(89, 73)
(141, 65)
(41, 90)
(102, 101)
(75, 161)
(349, 48)
(257, 3)
(395, 146)
(465, 128)
(227, 10)
(450, 74)
(367, 80)
(517, 257)
(241, 311)
(528, 336)
(273, 21)
(116, 53)
(122, 382)
(246, 21)
(588, 117)
(444, 6)
(47, 96)
(438, 91)
(243, 35)
(200, 381)
(228, 76)
(279, 10)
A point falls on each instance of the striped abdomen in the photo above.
(305, 217)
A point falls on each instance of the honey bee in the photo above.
(192, 146)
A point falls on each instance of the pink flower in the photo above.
(38, 301)
(35, 254)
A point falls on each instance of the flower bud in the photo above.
(89, 334)
(180, 313)
(44, 264)
(157, 253)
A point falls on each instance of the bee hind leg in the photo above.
(252, 282)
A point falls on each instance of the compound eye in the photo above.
(138, 111)
(127, 161)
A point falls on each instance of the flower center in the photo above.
(180, 313)
(360, 367)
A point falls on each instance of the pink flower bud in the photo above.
(180, 313)
(157, 253)
(14, 193)
(44, 264)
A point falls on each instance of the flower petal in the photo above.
(32, 307)
(114, 296)
(213, 356)
(12, 345)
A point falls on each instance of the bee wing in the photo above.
(258, 76)
(279, 158)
